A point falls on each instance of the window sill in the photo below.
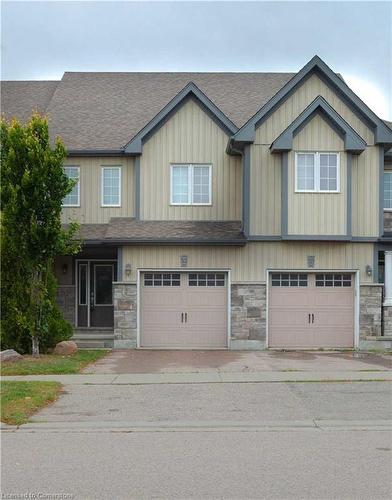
(191, 204)
(70, 206)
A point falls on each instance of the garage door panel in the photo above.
(328, 298)
(202, 296)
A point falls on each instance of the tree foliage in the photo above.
(33, 185)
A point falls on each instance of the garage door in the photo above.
(311, 310)
(183, 310)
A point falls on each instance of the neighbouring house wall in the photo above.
(317, 213)
(90, 210)
(189, 136)
(248, 264)
(265, 200)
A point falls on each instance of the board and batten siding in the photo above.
(317, 213)
(365, 193)
(316, 136)
(91, 210)
(248, 264)
(189, 136)
(288, 111)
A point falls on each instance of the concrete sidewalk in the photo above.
(210, 377)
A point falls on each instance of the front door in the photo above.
(95, 293)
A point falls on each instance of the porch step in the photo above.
(93, 338)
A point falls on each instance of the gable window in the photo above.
(111, 186)
(73, 198)
(190, 184)
(317, 172)
(388, 190)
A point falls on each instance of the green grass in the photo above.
(19, 400)
(49, 364)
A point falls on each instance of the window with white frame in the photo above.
(73, 198)
(111, 186)
(190, 184)
(388, 190)
(317, 172)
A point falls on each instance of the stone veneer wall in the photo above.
(370, 310)
(387, 312)
(388, 222)
(65, 298)
(248, 316)
(125, 315)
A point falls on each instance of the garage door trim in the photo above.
(182, 270)
(354, 272)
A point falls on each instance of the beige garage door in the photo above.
(183, 310)
(311, 310)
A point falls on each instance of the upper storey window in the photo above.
(317, 172)
(190, 184)
(73, 198)
(111, 186)
(388, 190)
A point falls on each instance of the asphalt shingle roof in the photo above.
(144, 232)
(105, 110)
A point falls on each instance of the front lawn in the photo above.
(49, 364)
(19, 400)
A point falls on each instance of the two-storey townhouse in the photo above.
(222, 210)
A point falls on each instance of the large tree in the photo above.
(33, 185)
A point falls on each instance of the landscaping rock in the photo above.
(65, 347)
(10, 355)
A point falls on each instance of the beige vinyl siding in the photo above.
(90, 210)
(249, 263)
(265, 191)
(365, 193)
(317, 213)
(298, 101)
(189, 136)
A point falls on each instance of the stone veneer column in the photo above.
(370, 310)
(65, 298)
(125, 315)
(248, 316)
(387, 306)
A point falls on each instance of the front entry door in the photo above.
(95, 294)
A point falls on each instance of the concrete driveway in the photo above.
(144, 361)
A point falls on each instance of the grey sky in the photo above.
(41, 40)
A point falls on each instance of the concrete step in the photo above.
(97, 338)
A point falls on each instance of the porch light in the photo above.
(65, 268)
(128, 269)
(369, 270)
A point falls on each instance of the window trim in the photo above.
(111, 167)
(77, 184)
(190, 167)
(386, 171)
(317, 189)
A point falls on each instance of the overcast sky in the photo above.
(41, 40)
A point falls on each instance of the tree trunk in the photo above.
(35, 346)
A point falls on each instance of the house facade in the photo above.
(239, 211)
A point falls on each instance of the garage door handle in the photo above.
(186, 317)
(308, 318)
(182, 317)
(312, 318)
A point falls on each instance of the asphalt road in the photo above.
(207, 441)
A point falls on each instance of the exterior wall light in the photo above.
(65, 268)
(128, 270)
(369, 270)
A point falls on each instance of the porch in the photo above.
(85, 294)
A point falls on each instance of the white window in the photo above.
(388, 190)
(111, 186)
(317, 172)
(191, 184)
(73, 198)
